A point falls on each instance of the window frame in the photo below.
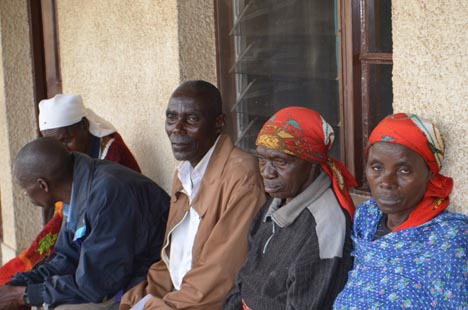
(354, 73)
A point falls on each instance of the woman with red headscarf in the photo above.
(410, 252)
(299, 244)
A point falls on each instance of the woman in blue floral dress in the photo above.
(410, 252)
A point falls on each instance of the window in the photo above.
(332, 56)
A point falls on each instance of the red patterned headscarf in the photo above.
(425, 139)
(303, 133)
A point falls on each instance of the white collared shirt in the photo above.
(183, 236)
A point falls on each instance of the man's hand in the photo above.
(11, 297)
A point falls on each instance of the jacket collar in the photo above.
(286, 215)
(213, 173)
(83, 171)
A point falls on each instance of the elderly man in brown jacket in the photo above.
(216, 193)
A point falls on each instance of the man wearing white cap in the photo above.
(81, 130)
(66, 118)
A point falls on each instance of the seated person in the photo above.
(410, 252)
(113, 229)
(216, 193)
(81, 130)
(66, 118)
(299, 244)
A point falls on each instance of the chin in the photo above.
(180, 157)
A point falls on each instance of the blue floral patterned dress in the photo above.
(423, 267)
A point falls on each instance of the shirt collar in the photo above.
(286, 215)
(68, 211)
(191, 177)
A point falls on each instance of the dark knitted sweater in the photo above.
(298, 258)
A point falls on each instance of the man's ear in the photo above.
(43, 185)
(220, 122)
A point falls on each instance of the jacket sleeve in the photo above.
(158, 283)
(211, 278)
(105, 255)
(209, 281)
(234, 299)
(42, 246)
(62, 263)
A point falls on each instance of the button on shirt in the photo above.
(183, 236)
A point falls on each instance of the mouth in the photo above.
(180, 142)
(271, 188)
(180, 146)
(389, 201)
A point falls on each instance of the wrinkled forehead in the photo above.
(268, 153)
(190, 103)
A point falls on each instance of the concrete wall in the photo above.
(17, 124)
(430, 76)
(197, 40)
(126, 58)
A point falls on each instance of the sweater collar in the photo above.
(286, 215)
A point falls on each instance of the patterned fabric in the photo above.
(113, 148)
(38, 251)
(423, 267)
(303, 133)
(425, 139)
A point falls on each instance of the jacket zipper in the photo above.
(269, 238)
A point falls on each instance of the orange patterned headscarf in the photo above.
(425, 139)
(303, 133)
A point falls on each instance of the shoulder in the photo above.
(242, 169)
(366, 219)
(331, 225)
(110, 177)
(451, 226)
(367, 209)
(239, 157)
(229, 155)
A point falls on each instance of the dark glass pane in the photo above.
(379, 15)
(381, 95)
(286, 55)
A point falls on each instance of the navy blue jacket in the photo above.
(109, 240)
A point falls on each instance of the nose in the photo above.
(178, 125)
(388, 180)
(267, 170)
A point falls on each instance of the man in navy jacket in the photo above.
(114, 226)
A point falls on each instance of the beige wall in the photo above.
(197, 40)
(17, 124)
(126, 58)
(430, 76)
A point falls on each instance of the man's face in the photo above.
(284, 176)
(74, 137)
(191, 126)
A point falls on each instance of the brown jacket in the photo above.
(229, 197)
